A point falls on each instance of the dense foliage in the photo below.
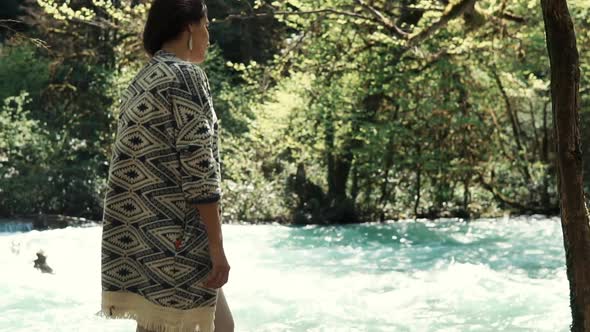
(331, 111)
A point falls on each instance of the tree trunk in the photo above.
(545, 199)
(338, 172)
(565, 78)
(418, 181)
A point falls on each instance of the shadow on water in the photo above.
(405, 233)
(15, 226)
(500, 244)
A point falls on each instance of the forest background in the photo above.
(332, 111)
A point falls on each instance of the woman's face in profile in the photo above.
(200, 33)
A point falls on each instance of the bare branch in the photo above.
(382, 19)
(290, 13)
(452, 13)
(512, 17)
(497, 194)
(21, 36)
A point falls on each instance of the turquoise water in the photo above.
(444, 275)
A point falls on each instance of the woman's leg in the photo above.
(224, 322)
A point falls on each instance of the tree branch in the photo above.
(512, 17)
(4, 23)
(451, 14)
(498, 195)
(382, 19)
(290, 13)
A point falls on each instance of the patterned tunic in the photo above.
(165, 159)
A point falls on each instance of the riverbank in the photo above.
(40, 222)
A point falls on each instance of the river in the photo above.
(505, 274)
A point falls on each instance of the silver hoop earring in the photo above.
(190, 42)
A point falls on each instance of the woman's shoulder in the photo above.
(190, 78)
(154, 74)
(189, 73)
(178, 66)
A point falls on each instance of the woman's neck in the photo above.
(178, 48)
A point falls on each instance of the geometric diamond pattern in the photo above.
(137, 141)
(163, 268)
(165, 158)
(146, 107)
(128, 207)
(172, 203)
(162, 235)
(124, 272)
(124, 240)
(129, 173)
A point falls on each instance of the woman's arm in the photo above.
(211, 218)
(200, 174)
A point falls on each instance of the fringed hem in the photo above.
(127, 305)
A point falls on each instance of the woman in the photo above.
(163, 262)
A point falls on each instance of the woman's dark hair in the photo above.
(167, 18)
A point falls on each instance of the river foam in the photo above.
(443, 275)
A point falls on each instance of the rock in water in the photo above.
(41, 263)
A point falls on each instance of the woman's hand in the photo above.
(220, 272)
